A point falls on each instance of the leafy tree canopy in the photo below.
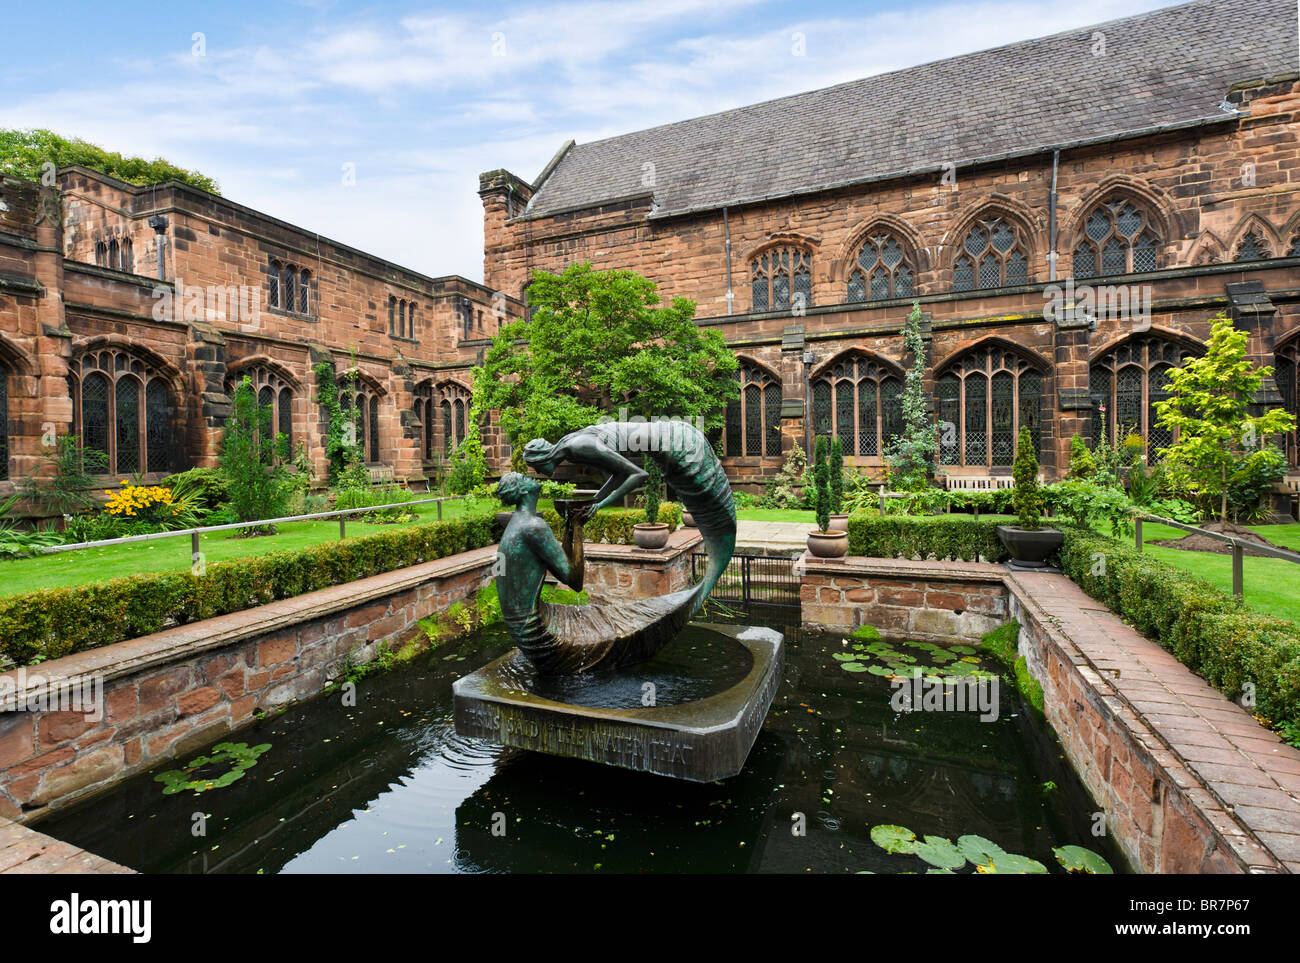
(1208, 408)
(24, 152)
(598, 341)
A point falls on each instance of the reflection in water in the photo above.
(388, 786)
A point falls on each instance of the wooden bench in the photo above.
(381, 475)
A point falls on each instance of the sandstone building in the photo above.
(127, 314)
(1069, 212)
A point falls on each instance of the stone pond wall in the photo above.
(171, 693)
(1188, 780)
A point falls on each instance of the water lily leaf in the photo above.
(1076, 859)
(939, 872)
(978, 849)
(855, 667)
(1010, 864)
(962, 649)
(894, 839)
(843, 656)
(873, 669)
(941, 853)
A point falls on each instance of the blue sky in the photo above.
(279, 95)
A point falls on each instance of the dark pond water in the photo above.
(386, 786)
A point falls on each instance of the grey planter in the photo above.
(1029, 549)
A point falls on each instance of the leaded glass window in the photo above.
(373, 433)
(753, 399)
(288, 288)
(881, 270)
(984, 397)
(851, 402)
(753, 421)
(4, 420)
(1294, 249)
(1003, 418)
(1253, 247)
(1128, 380)
(1118, 237)
(993, 254)
(273, 392)
(157, 420)
(122, 408)
(948, 409)
(127, 405)
(273, 286)
(458, 399)
(822, 409)
(1286, 374)
(779, 273)
(891, 411)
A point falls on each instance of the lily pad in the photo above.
(941, 853)
(894, 839)
(978, 849)
(1009, 864)
(855, 667)
(1076, 859)
(843, 656)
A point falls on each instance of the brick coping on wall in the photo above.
(183, 641)
(1239, 778)
(24, 850)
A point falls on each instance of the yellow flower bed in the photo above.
(139, 501)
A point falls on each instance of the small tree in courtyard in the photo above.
(837, 475)
(1218, 440)
(910, 456)
(252, 459)
(821, 485)
(1027, 499)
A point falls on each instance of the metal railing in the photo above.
(1238, 547)
(195, 533)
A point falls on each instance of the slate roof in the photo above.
(1169, 67)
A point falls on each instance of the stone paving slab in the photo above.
(25, 851)
(1249, 773)
(772, 538)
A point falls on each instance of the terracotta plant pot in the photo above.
(1029, 548)
(687, 521)
(650, 536)
(832, 544)
(839, 522)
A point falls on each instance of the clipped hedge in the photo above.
(50, 623)
(924, 537)
(1214, 634)
(614, 525)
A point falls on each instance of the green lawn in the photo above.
(1271, 584)
(775, 515)
(170, 554)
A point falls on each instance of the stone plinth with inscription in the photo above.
(692, 712)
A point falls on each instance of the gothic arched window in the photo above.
(1128, 380)
(123, 408)
(983, 398)
(993, 254)
(781, 277)
(4, 420)
(272, 392)
(753, 422)
(1287, 375)
(858, 401)
(1253, 247)
(881, 270)
(1118, 238)
(454, 405)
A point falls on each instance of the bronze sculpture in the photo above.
(565, 638)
